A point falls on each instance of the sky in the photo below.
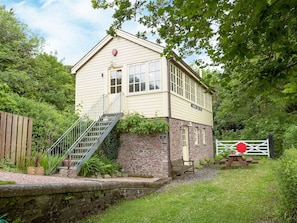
(71, 28)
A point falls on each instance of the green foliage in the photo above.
(42, 159)
(287, 179)
(232, 194)
(4, 183)
(290, 137)
(110, 145)
(2, 218)
(138, 124)
(253, 41)
(8, 165)
(98, 165)
(32, 83)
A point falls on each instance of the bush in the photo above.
(287, 180)
(290, 137)
(98, 164)
(138, 124)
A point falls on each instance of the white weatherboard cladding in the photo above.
(182, 109)
(149, 105)
(89, 81)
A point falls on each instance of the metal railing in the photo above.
(60, 149)
(62, 146)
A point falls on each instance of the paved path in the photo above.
(20, 178)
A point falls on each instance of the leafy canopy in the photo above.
(255, 39)
(33, 83)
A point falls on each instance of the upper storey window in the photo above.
(145, 77)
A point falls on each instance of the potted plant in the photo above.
(36, 169)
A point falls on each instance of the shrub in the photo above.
(138, 124)
(97, 165)
(290, 137)
(287, 180)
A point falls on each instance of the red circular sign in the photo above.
(241, 147)
(114, 52)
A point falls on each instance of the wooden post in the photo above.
(271, 146)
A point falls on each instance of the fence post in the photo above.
(271, 146)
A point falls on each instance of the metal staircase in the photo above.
(83, 138)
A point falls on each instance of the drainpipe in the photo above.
(169, 115)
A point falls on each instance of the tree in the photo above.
(254, 42)
(33, 83)
(256, 39)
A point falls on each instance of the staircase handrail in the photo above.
(93, 148)
(71, 129)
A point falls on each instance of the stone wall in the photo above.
(66, 203)
(197, 152)
(144, 155)
(148, 155)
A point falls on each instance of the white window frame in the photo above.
(117, 85)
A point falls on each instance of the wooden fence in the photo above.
(15, 138)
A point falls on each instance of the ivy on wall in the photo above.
(138, 124)
(110, 146)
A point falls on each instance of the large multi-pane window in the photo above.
(137, 75)
(187, 87)
(115, 81)
(192, 91)
(176, 80)
(144, 76)
(173, 78)
(154, 75)
(179, 82)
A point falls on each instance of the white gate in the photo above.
(253, 147)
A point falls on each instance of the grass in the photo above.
(235, 195)
(2, 182)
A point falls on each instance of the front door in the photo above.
(185, 142)
(115, 89)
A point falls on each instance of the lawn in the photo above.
(235, 195)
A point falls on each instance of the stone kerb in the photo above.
(67, 202)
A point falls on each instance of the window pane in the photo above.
(157, 76)
(112, 74)
(136, 87)
(142, 68)
(112, 82)
(152, 76)
(157, 85)
(131, 70)
(112, 90)
(152, 87)
(130, 87)
(142, 77)
(119, 89)
(157, 65)
(119, 81)
(152, 66)
(130, 78)
(137, 69)
(137, 78)
(142, 86)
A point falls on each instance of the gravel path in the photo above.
(20, 178)
(204, 174)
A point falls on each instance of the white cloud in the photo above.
(70, 27)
